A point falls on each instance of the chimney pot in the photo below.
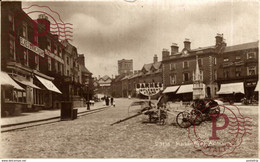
(187, 44)
(174, 48)
(155, 59)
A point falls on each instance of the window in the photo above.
(172, 66)
(25, 30)
(201, 74)
(56, 66)
(25, 57)
(238, 71)
(68, 73)
(68, 61)
(215, 74)
(49, 44)
(226, 59)
(61, 68)
(251, 55)
(185, 64)
(185, 77)
(12, 47)
(60, 51)
(36, 62)
(251, 70)
(49, 63)
(200, 61)
(226, 73)
(55, 50)
(238, 57)
(11, 21)
(215, 60)
(173, 79)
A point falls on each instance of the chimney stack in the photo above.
(219, 39)
(43, 20)
(165, 54)
(155, 58)
(174, 48)
(187, 44)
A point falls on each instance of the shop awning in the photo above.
(48, 84)
(257, 87)
(25, 82)
(7, 80)
(231, 88)
(185, 89)
(171, 89)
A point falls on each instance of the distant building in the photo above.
(125, 85)
(125, 66)
(104, 85)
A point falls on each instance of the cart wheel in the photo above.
(183, 120)
(196, 117)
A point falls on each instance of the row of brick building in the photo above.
(45, 69)
(235, 67)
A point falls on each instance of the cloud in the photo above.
(109, 31)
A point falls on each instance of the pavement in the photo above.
(92, 136)
(42, 114)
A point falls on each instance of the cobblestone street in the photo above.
(92, 136)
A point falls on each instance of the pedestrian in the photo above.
(114, 103)
(112, 100)
(104, 99)
(107, 101)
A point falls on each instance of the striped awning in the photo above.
(7, 80)
(231, 88)
(171, 89)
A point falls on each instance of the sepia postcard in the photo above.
(142, 79)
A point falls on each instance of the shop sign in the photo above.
(54, 56)
(25, 43)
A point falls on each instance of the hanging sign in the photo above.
(149, 89)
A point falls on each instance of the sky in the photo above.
(107, 31)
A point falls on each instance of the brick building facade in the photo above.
(36, 62)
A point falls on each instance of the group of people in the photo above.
(109, 101)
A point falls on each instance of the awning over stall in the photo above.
(171, 89)
(48, 84)
(7, 80)
(185, 89)
(25, 82)
(231, 88)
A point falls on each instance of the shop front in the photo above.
(13, 96)
(48, 96)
